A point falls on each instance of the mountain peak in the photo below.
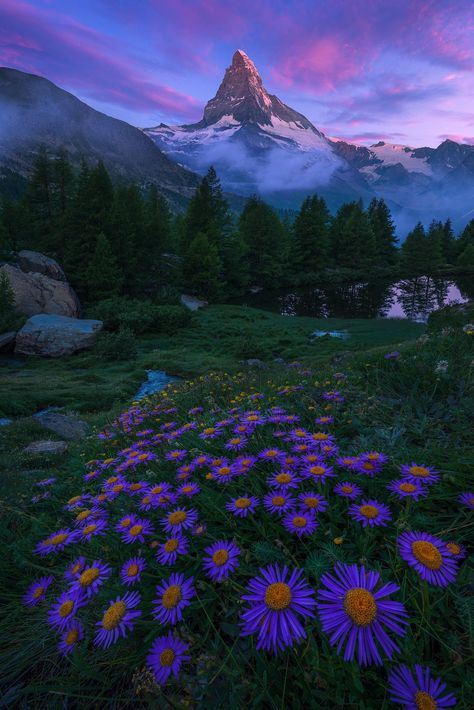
(243, 97)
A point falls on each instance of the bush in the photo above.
(7, 304)
(169, 319)
(140, 316)
(116, 346)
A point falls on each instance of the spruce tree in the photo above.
(435, 237)
(465, 260)
(311, 236)
(383, 228)
(7, 303)
(416, 252)
(352, 238)
(202, 268)
(208, 213)
(263, 235)
(103, 277)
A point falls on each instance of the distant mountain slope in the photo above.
(35, 111)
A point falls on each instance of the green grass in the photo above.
(403, 408)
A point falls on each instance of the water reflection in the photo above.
(411, 298)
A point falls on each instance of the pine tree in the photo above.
(465, 239)
(311, 236)
(234, 265)
(448, 243)
(383, 228)
(352, 238)
(435, 237)
(465, 260)
(103, 277)
(7, 303)
(416, 252)
(39, 201)
(208, 213)
(263, 235)
(202, 268)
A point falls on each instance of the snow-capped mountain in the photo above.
(258, 144)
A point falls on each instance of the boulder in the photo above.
(37, 293)
(45, 448)
(64, 425)
(33, 261)
(193, 303)
(54, 336)
(6, 341)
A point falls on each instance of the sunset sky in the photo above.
(396, 70)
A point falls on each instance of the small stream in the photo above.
(156, 380)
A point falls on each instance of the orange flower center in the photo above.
(283, 478)
(171, 545)
(278, 596)
(71, 637)
(311, 502)
(89, 529)
(114, 615)
(407, 487)
(317, 470)
(135, 486)
(278, 501)
(319, 436)
(220, 557)
(242, 502)
(369, 511)
(424, 701)
(453, 548)
(427, 553)
(132, 571)
(299, 521)
(360, 605)
(223, 471)
(172, 596)
(419, 471)
(347, 489)
(179, 516)
(135, 530)
(167, 657)
(66, 608)
(57, 539)
(89, 576)
(38, 592)
(83, 515)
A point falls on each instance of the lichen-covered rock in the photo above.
(55, 336)
(44, 448)
(37, 293)
(33, 261)
(65, 425)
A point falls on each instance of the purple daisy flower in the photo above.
(220, 559)
(169, 550)
(236, 443)
(271, 455)
(223, 473)
(64, 609)
(347, 490)
(467, 499)
(131, 570)
(69, 638)
(96, 527)
(404, 489)
(394, 355)
(419, 473)
(429, 556)
(174, 595)
(36, 592)
(284, 480)
(56, 542)
(318, 472)
(313, 501)
(137, 531)
(370, 512)
(201, 461)
(118, 619)
(176, 455)
(242, 506)
(419, 692)
(457, 551)
(324, 420)
(90, 579)
(210, 432)
(277, 600)
(319, 438)
(277, 502)
(179, 519)
(166, 656)
(367, 468)
(301, 522)
(349, 462)
(188, 489)
(351, 610)
(137, 488)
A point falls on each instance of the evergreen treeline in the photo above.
(119, 240)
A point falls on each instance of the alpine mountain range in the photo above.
(257, 144)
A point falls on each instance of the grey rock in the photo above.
(254, 362)
(54, 336)
(45, 448)
(65, 425)
(33, 261)
(37, 293)
(193, 303)
(6, 341)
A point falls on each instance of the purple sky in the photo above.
(364, 70)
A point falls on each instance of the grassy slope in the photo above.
(402, 408)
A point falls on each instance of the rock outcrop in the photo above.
(65, 425)
(55, 336)
(45, 448)
(40, 286)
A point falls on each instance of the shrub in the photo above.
(140, 316)
(116, 346)
(7, 304)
